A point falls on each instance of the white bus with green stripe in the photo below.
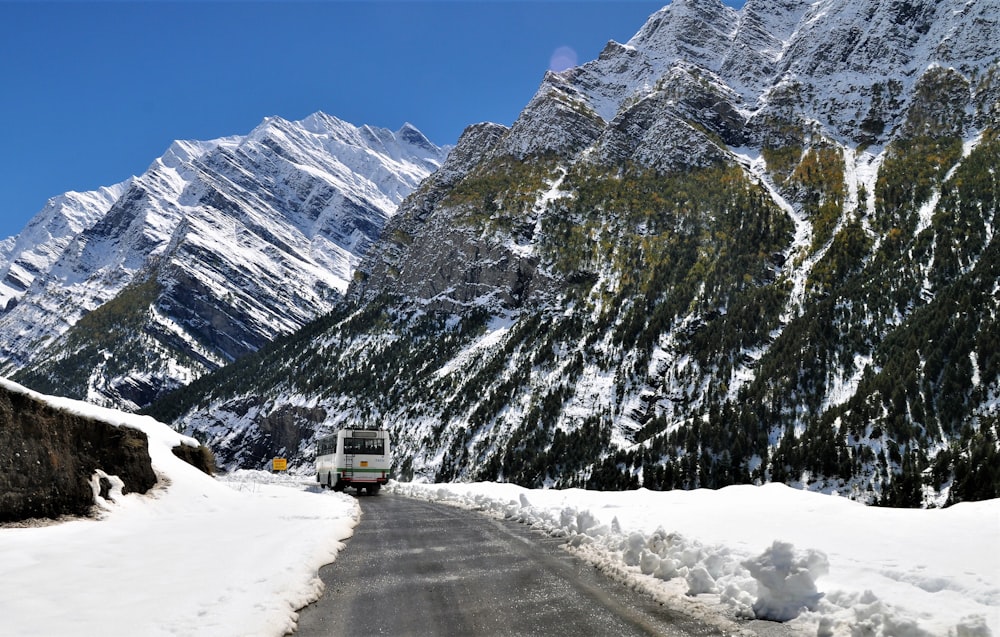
(356, 458)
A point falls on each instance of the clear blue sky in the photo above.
(91, 93)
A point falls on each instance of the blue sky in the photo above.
(93, 92)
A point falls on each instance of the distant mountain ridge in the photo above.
(118, 295)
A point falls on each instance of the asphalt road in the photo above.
(419, 568)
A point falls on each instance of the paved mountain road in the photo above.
(420, 568)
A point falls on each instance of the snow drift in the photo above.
(826, 565)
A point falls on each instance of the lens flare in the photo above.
(562, 58)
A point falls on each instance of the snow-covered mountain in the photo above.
(745, 246)
(43, 241)
(218, 248)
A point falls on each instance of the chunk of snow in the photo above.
(786, 582)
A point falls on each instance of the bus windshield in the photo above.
(367, 446)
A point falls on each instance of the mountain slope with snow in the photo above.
(48, 234)
(214, 251)
(744, 247)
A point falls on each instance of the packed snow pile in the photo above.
(785, 581)
(826, 565)
(194, 556)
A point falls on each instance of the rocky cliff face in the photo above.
(457, 269)
(56, 463)
(745, 246)
(221, 246)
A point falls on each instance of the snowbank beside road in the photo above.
(194, 556)
(827, 565)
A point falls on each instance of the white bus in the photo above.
(356, 458)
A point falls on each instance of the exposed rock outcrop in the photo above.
(49, 458)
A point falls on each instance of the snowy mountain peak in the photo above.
(183, 152)
(836, 54)
(320, 123)
(228, 243)
(693, 30)
(413, 137)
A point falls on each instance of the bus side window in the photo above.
(368, 446)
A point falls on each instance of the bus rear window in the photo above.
(369, 446)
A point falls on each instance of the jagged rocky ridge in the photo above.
(119, 295)
(745, 246)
